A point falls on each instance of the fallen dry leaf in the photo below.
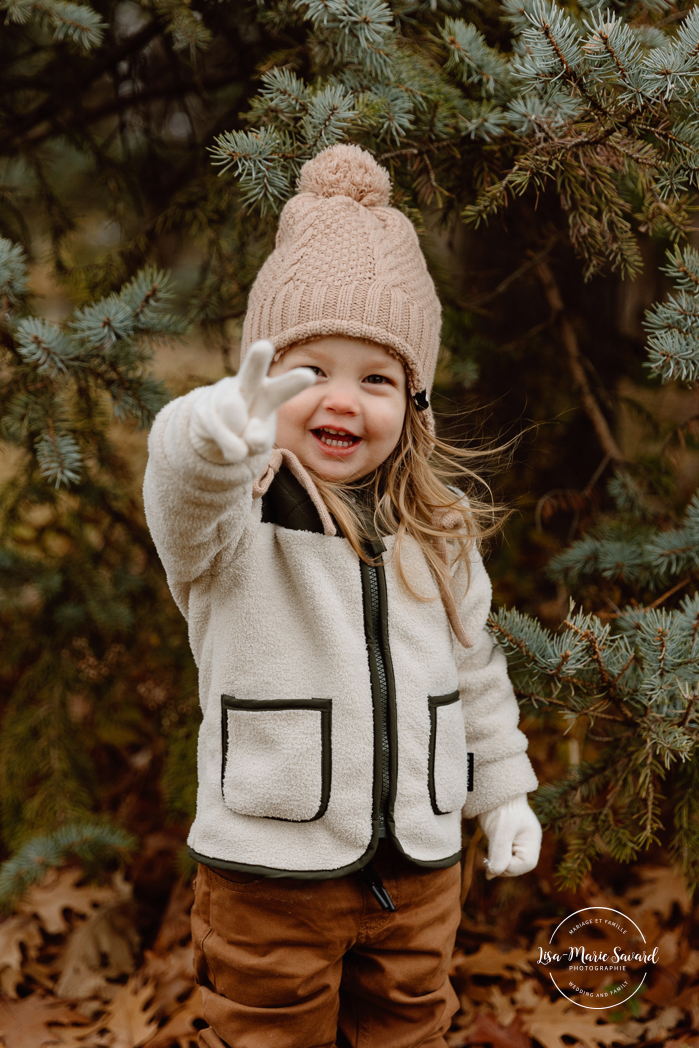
(102, 948)
(173, 975)
(486, 1030)
(659, 1027)
(128, 1021)
(466, 1014)
(16, 932)
(689, 1000)
(27, 1023)
(41, 974)
(527, 994)
(180, 1029)
(661, 988)
(504, 1009)
(633, 1029)
(59, 891)
(175, 927)
(669, 946)
(131, 1019)
(552, 1020)
(691, 963)
(661, 888)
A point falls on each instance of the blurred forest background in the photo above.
(548, 155)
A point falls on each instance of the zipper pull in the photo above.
(376, 887)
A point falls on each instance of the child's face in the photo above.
(358, 403)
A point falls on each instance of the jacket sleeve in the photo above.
(198, 511)
(501, 768)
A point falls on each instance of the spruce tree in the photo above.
(543, 150)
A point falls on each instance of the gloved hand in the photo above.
(514, 838)
(236, 417)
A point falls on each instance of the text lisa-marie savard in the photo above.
(590, 957)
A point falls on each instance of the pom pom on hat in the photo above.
(347, 170)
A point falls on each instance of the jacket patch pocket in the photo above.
(276, 757)
(448, 765)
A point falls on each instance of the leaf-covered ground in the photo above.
(110, 965)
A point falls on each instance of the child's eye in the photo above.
(314, 367)
(375, 379)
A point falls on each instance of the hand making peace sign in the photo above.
(239, 414)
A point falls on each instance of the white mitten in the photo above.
(514, 838)
(236, 417)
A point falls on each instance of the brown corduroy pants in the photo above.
(289, 963)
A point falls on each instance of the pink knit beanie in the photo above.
(345, 263)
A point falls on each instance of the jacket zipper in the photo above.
(383, 692)
(368, 873)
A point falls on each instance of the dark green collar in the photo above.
(287, 503)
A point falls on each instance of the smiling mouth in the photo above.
(333, 438)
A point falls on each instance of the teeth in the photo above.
(334, 443)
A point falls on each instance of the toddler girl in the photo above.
(354, 707)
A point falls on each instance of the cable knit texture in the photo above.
(346, 263)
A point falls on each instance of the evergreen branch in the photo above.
(613, 41)
(593, 643)
(257, 158)
(676, 16)
(689, 711)
(13, 273)
(188, 31)
(558, 50)
(283, 95)
(594, 713)
(673, 345)
(627, 665)
(428, 147)
(327, 118)
(683, 268)
(671, 592)
(469, 53)
(92, 843)
(46, 346)
(58, 455)
(533, 645)
(50, 107)
(361, 30)
(76, 22)
(570, 343)
(534, 698)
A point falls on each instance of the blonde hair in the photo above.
(411, 496)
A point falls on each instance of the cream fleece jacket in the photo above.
(280, 625)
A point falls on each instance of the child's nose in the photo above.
(341, 399)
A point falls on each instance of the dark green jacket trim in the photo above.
(379, 645)
(375, 695)
(320, 875)
(391, 685)
(323, 706)
(428, 864)
(287, 503)
(434, 702)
